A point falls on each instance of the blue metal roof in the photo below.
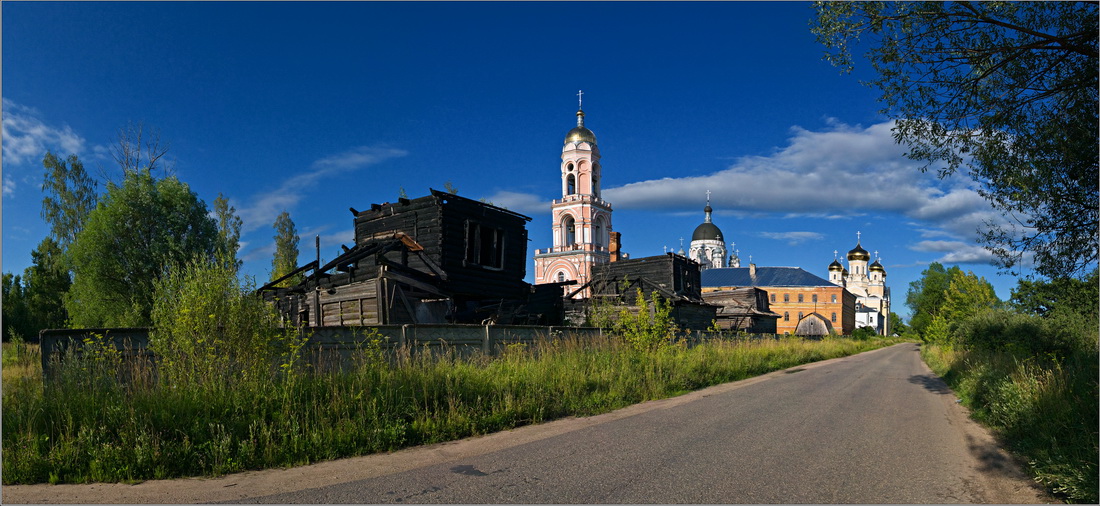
(765, 276)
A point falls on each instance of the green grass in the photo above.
(1045, 408)
(86, 427)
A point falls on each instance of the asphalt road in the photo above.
(873, 428)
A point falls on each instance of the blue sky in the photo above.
(314, 108)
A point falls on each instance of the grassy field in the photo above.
(86, 427)
(1045, 408)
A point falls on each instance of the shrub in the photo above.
(209, 327)
(648, 327)
(999, 329)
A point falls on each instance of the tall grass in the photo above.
(1045, 407)
(87, 427)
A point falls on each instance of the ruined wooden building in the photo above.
(743, 309)
(674, 278)
(435, 259)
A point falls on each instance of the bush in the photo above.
(999, 329)
(209, 327)
(864, 333)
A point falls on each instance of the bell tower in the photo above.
(581, 219)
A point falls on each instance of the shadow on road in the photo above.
(931, 383)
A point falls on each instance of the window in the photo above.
(800, 316)
(484, 245)
(597, 232)
(570, 184)
(569, 228)
(834, 317)
(800, 297)
(834, 298)
(786, 297)
(773, 298)
(786, 316)
(814, 298)
(561, 279)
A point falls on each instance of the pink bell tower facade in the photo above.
(581, 219)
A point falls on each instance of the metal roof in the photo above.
(765, 276)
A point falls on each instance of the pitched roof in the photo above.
(765, 276)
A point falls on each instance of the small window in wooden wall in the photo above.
(484, 245)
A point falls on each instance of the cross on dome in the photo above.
(580, 99)
(857, 237)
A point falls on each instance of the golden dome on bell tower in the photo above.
(580, 133)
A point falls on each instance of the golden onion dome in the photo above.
(878, 267)
(858, 253)
(580, 133)
(835, 266)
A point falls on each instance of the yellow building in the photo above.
(792, 293)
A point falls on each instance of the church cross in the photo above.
(876, 254)
(580, 98)
(835, 252)
(857, 237)
(708, 197)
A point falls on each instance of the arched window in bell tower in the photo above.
(570, 184)
(597, 232)
(595, 186)
(569, 229)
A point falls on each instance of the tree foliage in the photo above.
(1006, 91)
(286, 250)
(140, 229)
(16, 322)
(70, 195)
(1063, 296)
(926, 295)
(968, 294)
(47, 283)
(229, 231)
(36, 300)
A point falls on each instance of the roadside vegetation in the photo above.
(1027, 368)
(210, 411)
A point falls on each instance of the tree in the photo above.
(896, 325)
(137, 150)
(16, 321)
(141, 229)
(1064, 296)
(967, 295)
(229, 231)
(927, 295)
(70, 195)
(46, 283)
(1006, 91)
(286, 250)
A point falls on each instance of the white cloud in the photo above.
(793, 238)
(9, 186)
(265, 207)
(955, 252)
(523, 203)
(27, 137)
(841, 172)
